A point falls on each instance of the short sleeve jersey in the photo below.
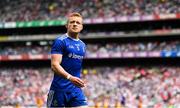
(73, 51)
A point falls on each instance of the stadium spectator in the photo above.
(98, 50)
(11, 10)
(30, 86)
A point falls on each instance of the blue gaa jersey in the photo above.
(73, 51)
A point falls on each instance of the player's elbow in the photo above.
(53, 66)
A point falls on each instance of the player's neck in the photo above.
(73, 35)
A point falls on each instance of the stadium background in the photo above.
(133, 50)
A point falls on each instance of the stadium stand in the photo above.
(105, 85)
(118, 82)
(48, 10)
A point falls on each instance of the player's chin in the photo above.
(75, 31)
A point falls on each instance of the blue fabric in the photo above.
(66, 99)
(73, 52)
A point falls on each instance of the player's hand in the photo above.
(77, 81)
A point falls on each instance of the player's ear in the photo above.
(82, 27)
(66, 25)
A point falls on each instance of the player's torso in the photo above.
(74, 49)
(73, 54)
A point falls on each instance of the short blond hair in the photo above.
(74, 14)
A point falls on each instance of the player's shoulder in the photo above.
(61, 37)
(82, 42)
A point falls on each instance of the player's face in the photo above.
(75, 24)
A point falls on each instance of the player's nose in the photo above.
(75, 23)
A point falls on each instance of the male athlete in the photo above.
(66, 58)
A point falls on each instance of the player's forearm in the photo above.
(58, 69)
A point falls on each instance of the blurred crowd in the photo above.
(118, 87)
(27, 10)
(24, 86)
(97, 49)
(133, 87)
(18, 50)
(115, 48)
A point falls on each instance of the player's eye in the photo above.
(71, 22)
(78, 22)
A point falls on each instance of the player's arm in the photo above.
(58, 69)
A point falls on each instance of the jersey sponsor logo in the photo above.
(75, 56)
